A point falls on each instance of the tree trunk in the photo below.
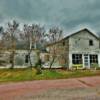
(30, 49)
(12, 59)
(52, 62)
(30, 59)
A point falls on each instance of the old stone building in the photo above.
(80, 49)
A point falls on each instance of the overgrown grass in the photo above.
(14, 75)
(63, 74)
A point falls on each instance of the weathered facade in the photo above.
(21, 59)
(79, 49)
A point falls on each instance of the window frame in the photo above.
(91, 42)
(93, 58)
(77, 59)
(63, 43)
(27, 58)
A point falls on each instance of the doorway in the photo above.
(86, 61)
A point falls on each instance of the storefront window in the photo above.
(77, 58)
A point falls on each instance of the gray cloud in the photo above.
(66, 13)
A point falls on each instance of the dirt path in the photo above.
(12, 91)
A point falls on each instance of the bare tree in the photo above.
(28, 36)
(32, 34)
(1, 30)
(54, 35)
(1, 34)
(10, 40)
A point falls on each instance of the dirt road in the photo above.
(32, 89)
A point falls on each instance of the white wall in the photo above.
(99, 59)
(70, 60)
(80, 43)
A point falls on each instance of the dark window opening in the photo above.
(26, 58)
(63, 43)
(91, 42)
(93, 59)
(77, 58)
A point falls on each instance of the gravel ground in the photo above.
(66, 94)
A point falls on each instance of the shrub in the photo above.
(65, 66)
(38, 66)
(94, 65)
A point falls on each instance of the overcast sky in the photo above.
(69, 14)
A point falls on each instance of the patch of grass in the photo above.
(49, 74)
(80, 73)
(14, 75)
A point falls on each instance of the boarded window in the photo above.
(26, 58)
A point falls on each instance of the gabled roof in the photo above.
(68, 36)
(85, 29)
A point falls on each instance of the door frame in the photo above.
(86, 60)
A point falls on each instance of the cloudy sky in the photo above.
(69, 14)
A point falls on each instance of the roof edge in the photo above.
(84, 29)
